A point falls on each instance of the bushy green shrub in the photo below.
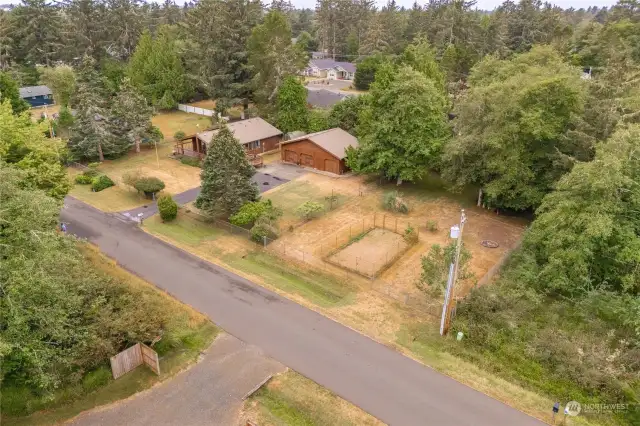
(251, 211)
(309, 210)
(264, 228)
(394, 202)
(83, 179)
(101, 182)
(149, 185)
(191, 161)
(167, 207)
(410, 235)
(179, 135)
(93, 165)
(132, 177)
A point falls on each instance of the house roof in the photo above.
(245, 131)
(325, 64)
(335, 141)
(31, 91)
(324, 98)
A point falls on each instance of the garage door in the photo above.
(306, 160)
(331, 166)
(291, 156)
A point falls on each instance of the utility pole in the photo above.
(449, 301)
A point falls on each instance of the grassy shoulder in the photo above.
(291, 399)
(185, 337)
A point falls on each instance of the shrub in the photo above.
(93, 165)
(92, 172)
(250, 212)
(394, 202)
(167, 207)
(309, 209)
(149, 185)
(432, 225)
(83, 179)
(191, 161)
(179, 135)
(101, 182)
(410, 235)
(264, 228)
(131, 178)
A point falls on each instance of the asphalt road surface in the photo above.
(390, 386)
(208, 393)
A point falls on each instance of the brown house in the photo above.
(254, 134)
(324, 150)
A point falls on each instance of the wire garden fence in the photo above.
(342, 255)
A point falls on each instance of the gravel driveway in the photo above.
(209, 393)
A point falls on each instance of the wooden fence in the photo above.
(133, 357)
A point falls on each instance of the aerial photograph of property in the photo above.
(320, 213)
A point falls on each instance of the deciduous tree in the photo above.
(9, 91)
(291, 104)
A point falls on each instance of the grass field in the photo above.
(291, 399)
(190, 333)
(177, 177)
(170, 122)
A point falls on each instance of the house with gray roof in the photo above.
(328, 68)
(37, 96)
(324, 98)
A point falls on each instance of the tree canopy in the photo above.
(291, 104)
(513, 128)
(9, 91)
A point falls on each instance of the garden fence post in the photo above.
(384, 220)
(396, 225)
(264, 239)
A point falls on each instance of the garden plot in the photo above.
(369, 253)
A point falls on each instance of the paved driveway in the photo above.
(383, 382)
(209, 393)
(265, 182)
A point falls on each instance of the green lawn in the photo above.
(185, 337)
(293, 400)
(319, 289)
(184, 229)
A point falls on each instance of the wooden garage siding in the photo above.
(308, 154)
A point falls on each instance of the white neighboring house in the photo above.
(328, 68)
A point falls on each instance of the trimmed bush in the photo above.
(83, 179)
(101, 182)
(264, 228)
(179, 135)
(191, 161)
(167, 207)
(250, 212)
(394, 202)
(131, 178)
(149, 185)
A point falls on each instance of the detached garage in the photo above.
(324, 150)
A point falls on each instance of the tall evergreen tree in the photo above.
(84, 29)
(6, 39)
(156, 69)
(37, 32)
(272, 57)
(130, 115)
(226, 182)
(291, 106)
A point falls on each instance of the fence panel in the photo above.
(196, 110)
(182, 107)
(126, 361)
(150, 358)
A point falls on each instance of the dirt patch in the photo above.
(370, 253)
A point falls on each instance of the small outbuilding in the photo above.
(326, 150)
(37, 96)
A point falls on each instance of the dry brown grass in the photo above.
(170, 122)
(176, 176)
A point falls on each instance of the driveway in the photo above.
(265, 182)
(383, 382)
(331, 85)
(208, 393)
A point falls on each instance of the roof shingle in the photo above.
(335, 141)
(249, 130)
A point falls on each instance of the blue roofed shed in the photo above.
(37, 95)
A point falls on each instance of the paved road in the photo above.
(265, 182)
(392, 387)
(209, 393)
